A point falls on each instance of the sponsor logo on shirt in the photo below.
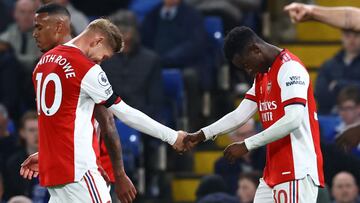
(294, 80)
(265, 110)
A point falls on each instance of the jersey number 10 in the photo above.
(41, 90)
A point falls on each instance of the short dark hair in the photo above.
(29, 115)
(253, 176)
(349, 93)
(237, 40)
(53, 9)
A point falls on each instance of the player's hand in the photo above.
(30, 167)
(349, 139)
(235, 151)
(125, 189)
(104, 175)
(192, 139)
(4, 46)
(179, 146)
(299, 12)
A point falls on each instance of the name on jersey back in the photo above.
(61, 61)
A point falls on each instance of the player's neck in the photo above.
(80, 42)
(271, 53)
(67, 38)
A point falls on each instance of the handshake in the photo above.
(186, 141)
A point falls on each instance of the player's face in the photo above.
(344, 190)
(246, 190)
(349, 112)
(252, 62)
(351, 41)
(99, 51)
(45, 32)
(30, 133)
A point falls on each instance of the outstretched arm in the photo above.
(340, 17)
(96, 85)
(228, 123)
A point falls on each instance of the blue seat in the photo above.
(175, 108)
(11, 126)
(215, 30)
(130, 143)
(142, 7)
(328, 126)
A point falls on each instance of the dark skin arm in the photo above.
(124, 188)
(231, 153)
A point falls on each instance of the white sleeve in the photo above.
(250, 94)
(292, 119)
(96, 85)
(141, 122)
(232, 120)
(294, 82)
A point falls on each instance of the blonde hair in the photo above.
(110, 31)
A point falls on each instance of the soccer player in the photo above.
(283, 97)
(52, 28)
(67, 160)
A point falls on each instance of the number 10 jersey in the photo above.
(67, 86)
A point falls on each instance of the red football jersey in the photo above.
(67, 86)
(297, 154)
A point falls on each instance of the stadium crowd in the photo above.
(178, 37)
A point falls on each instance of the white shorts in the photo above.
(297, 191)
(91, 188)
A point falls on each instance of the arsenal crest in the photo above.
(268, 87)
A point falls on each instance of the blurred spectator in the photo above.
(254, 160)
(345, 189)
(19, 34)
(349, 109)
(232, 12)
(20, 199)
(212, 189)
(349, 106)
(341, 71)
(136, 72)
(14, 184)
(176, 32)
(4, 16)
(17, 41)
(10, 82)
(7, 140)
(105, 7)
(78, 19)
(247, 185)
(336, 160)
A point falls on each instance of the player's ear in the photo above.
(97, 41)
(254, 47)
(58, 26)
